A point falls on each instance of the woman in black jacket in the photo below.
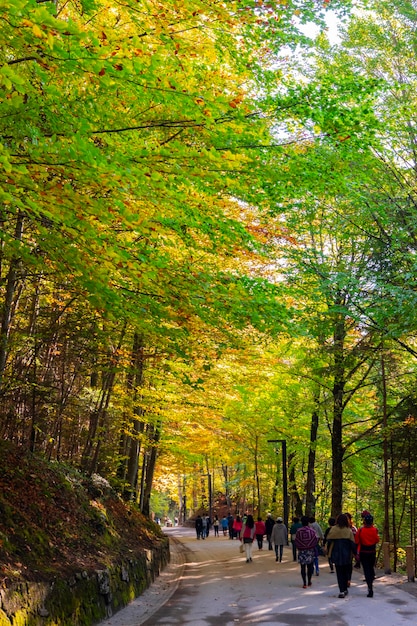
(342, 549)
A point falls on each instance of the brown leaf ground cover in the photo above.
(55, 521)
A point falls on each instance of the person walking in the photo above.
(248, 535)
(216, 525)
(317, 528)
(260, 532)
(237, 526)
(331, 521)
(199, 527)
(367, 539)
(306, 541)
(204, 522)
(269, 524)
(225, 525)
(279, 537)
(230, 521)
(296, 524)
(342, 549)
(354, 531)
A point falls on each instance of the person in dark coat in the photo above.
(296, 524)
(331, 522)
(342, 549)
(230, 520)
(269, 524)
(199, 527)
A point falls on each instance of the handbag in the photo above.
(241, 548)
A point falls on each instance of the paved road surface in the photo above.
(209, 583)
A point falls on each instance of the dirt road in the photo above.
(209, 583)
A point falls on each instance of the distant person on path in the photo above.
(342, 549)
(306, 541)
(317, 528)
(248, 535)
(225, 525)
(199, 527)
(279, 538)
(237, 526)
(296, 524)
(216, 525)
(204, 521)
(269, 524)
(230, 520)
(260, 532)
(367, 539)
(331, 522)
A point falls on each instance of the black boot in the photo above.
(370, 593)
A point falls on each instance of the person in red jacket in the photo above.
(367, 539)
(237, 526)
(248, 535)
(260, 531)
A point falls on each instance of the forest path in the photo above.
(209, 583)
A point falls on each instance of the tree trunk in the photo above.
(99, 415)
(134, 441)
(386, 535)
(311, 474)
(150, 469)
(338, 393)
(296, 503)
(11, 282)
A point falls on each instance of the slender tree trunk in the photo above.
(225, 471)
(11, 282)
(311, 473)
(150, 469)
(295, 501)
(32, 331)
(276, 481)
(338, 393)
(100, 423)
(394, 523)
(138, 425)
(386, 534)
(99, 415)
(258, 488)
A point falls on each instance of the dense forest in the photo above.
(208, 251)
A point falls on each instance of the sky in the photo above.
(332, 25)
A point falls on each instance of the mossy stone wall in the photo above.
(84, 599)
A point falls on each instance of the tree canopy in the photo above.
(208, 242)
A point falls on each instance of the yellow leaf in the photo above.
(37, 31)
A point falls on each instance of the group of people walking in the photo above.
(202, 526)
(344, 545)
(342, 542)
(347, 544)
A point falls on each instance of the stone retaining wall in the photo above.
(86, 598)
